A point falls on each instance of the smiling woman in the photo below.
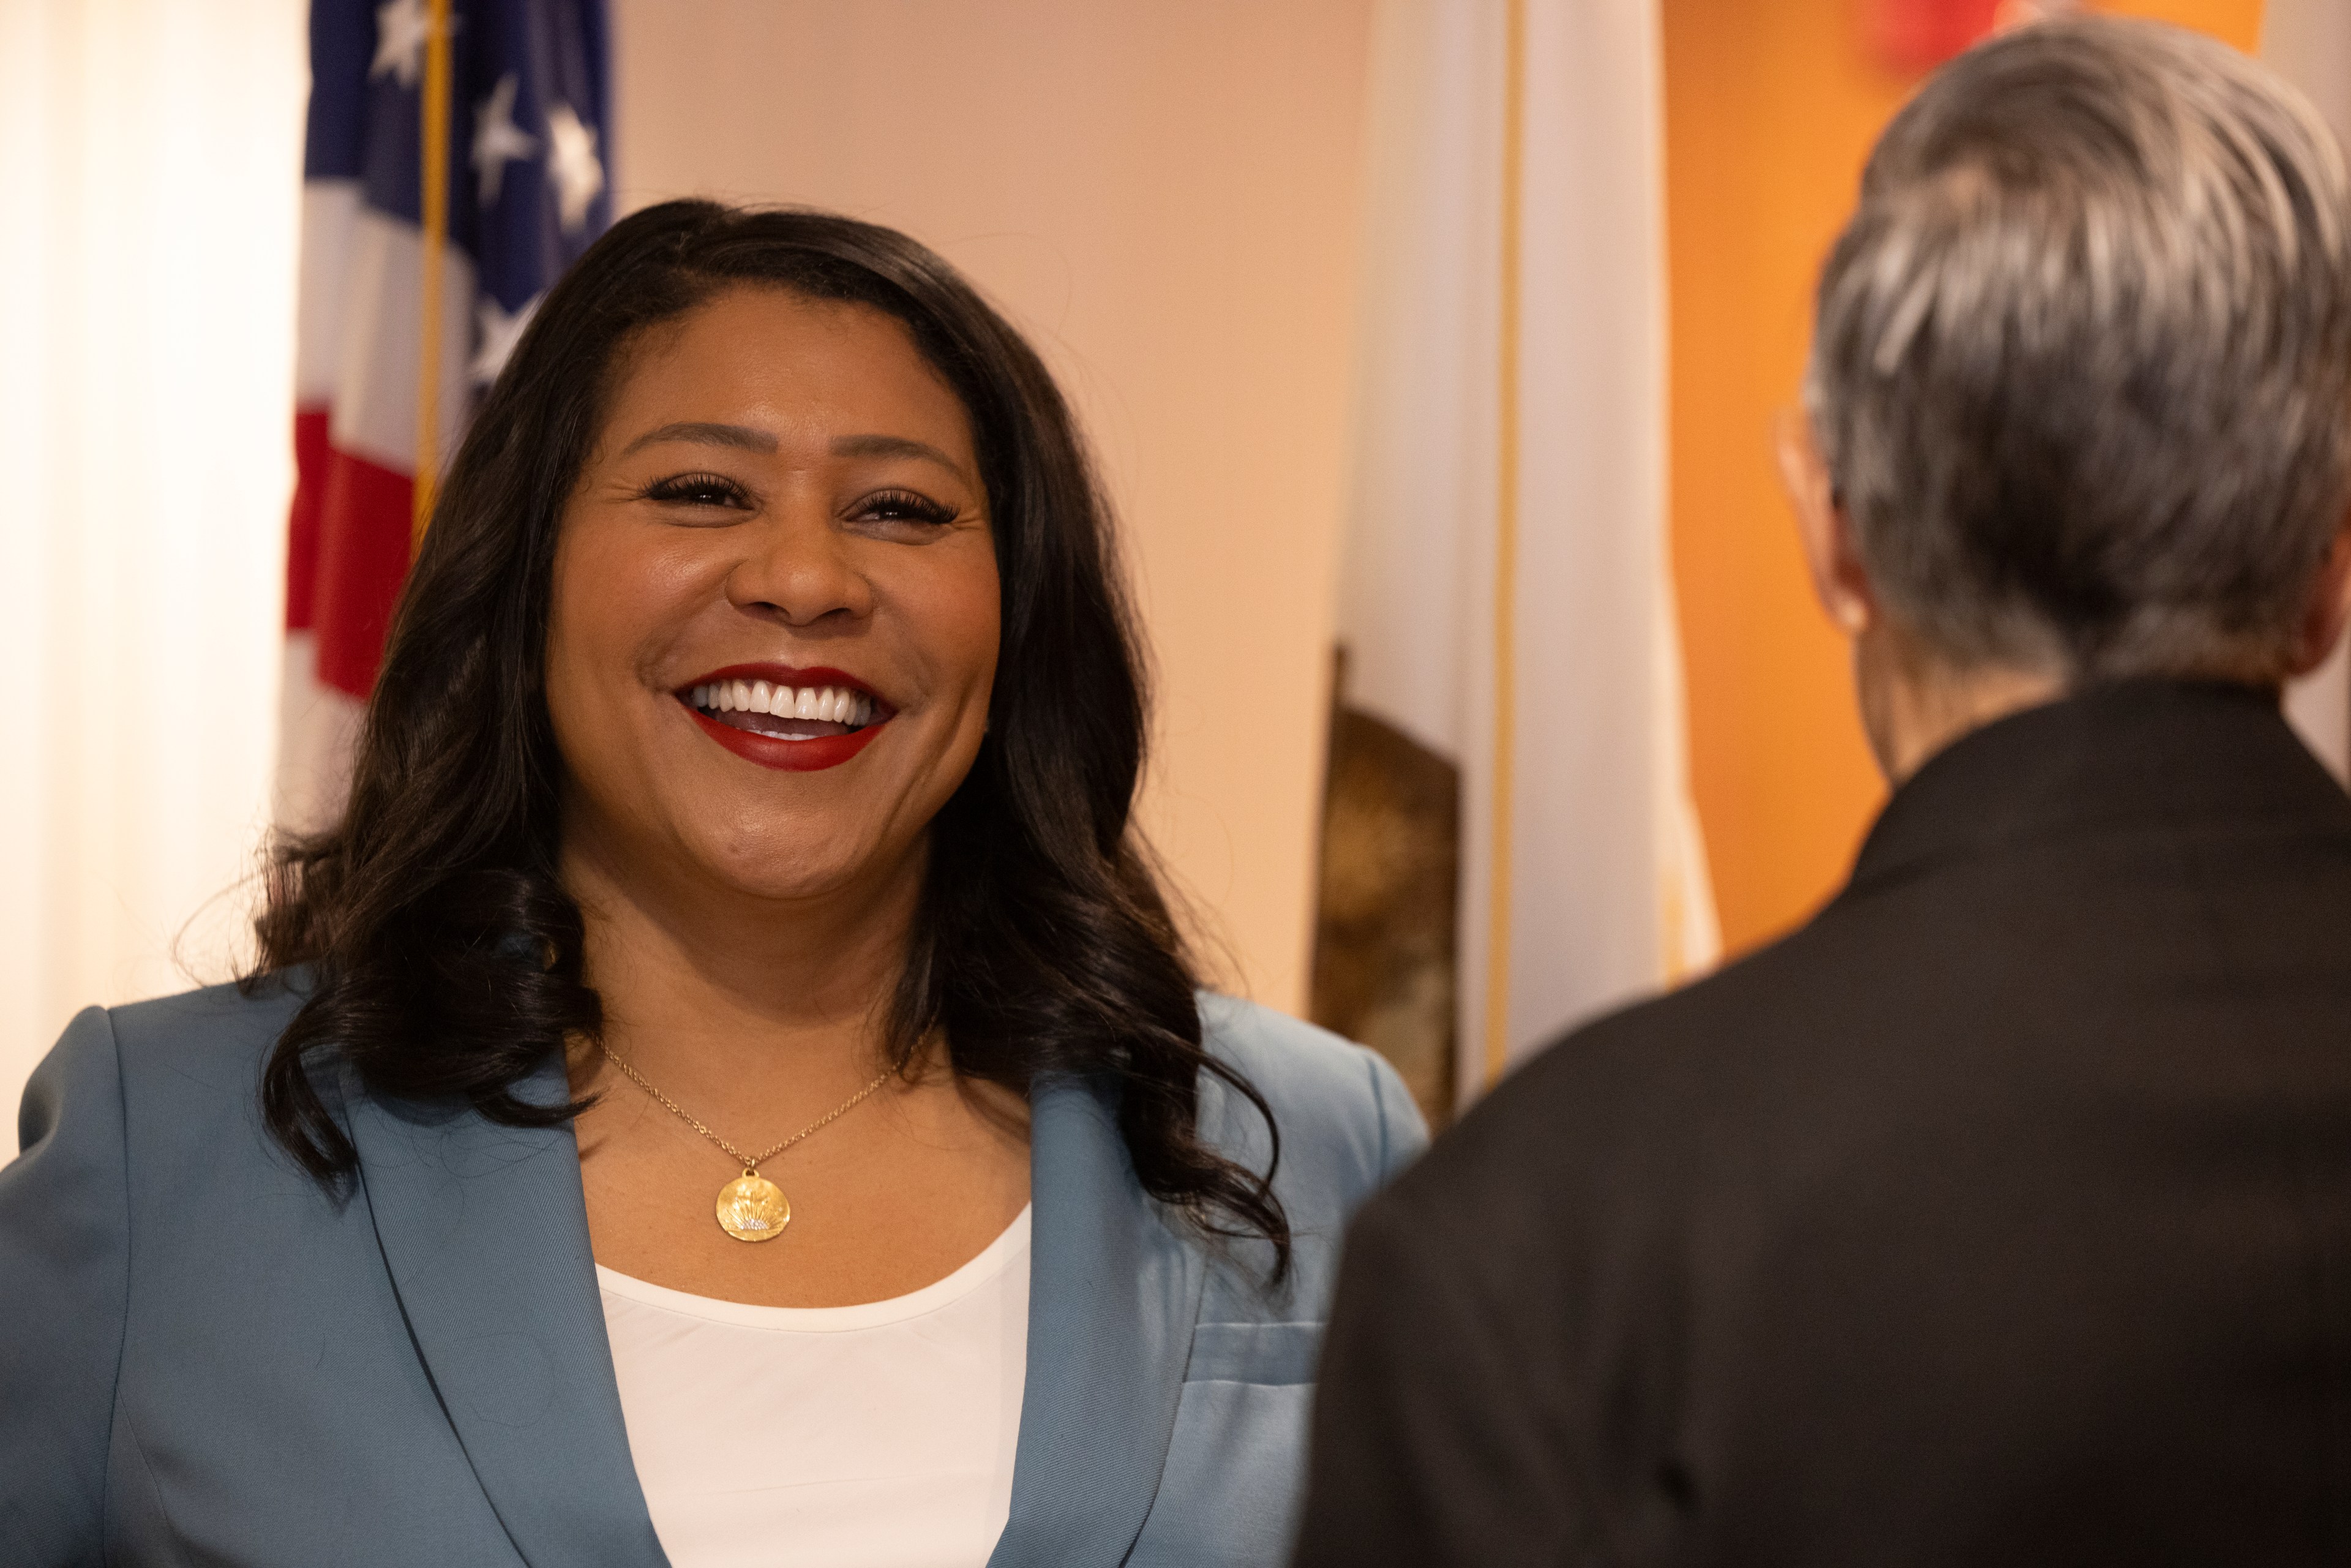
(739, 851)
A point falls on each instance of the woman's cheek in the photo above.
(969, 608)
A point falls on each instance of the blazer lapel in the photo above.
(485, 1232)
(1114, 1294)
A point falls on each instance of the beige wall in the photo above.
(1162, 193)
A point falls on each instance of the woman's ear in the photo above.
(2329, 606)
(1839, 579)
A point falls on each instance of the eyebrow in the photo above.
(750, 439)
(708, 434)
(897, 447)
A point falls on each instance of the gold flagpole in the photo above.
(1506, 555)
(435, 202)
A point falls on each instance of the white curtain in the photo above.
(150, 176)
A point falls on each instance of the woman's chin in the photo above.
(788, 876)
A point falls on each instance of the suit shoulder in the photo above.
(1335, 1102)
(1287, 1058)
(174, 1077)
(219, 1035)
(1636, 1089)
(1736, 1014)
(1303, 1070)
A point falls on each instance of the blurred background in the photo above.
(1430, 350)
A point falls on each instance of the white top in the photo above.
(878, 1436)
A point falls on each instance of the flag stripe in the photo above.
(362, 560)
(375, 404)
(329, 210)
(311, 458)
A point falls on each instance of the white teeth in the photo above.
(832, 705)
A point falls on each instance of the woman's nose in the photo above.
(800, 569)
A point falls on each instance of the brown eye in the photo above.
(903, 506)
(697, 490)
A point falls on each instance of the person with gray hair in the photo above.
(2002, 1212)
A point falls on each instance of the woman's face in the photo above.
(775, 610)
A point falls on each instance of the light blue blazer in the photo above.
(204, 1359)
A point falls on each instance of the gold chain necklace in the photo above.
(750, 1208)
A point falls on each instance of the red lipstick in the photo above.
(784, 754)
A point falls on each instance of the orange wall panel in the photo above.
(1769, 112)
(2237, 22)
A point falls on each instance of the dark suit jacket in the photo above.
(2001, 1215)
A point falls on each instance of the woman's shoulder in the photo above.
(228, 1027)
(175, 1083)
(1339, 1108)
(1289, 1059)
(190, 1057)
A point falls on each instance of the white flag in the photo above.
(1506, 598)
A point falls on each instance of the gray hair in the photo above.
(2082, 366)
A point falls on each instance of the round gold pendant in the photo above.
(752, 1209)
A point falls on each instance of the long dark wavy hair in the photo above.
(445, 958)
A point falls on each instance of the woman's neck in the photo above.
(712, 991)
(760, 1017)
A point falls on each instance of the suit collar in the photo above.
(2138, 754)
(484, 1231)
(1113, 1298)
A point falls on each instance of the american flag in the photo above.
(527, 188)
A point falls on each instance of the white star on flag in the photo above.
(403, 27)
(500, 333)
(498, 140)
(572, 163)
